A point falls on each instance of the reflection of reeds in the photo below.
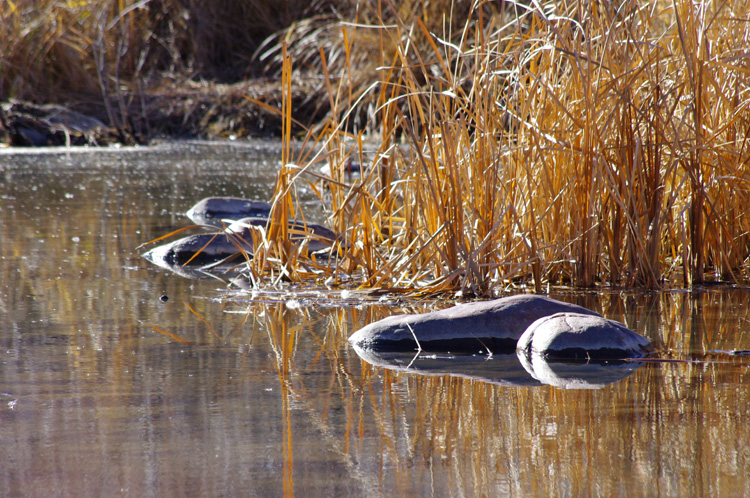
(596, 144)
(648, 430)
(402, 434)
(284, 328)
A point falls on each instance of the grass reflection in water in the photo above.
(405, 433)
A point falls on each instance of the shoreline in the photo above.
(203, 111)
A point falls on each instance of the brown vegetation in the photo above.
(556, 143)
(146, 68)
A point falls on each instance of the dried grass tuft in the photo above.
(550, 143)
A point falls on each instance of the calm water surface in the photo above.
(106, 390)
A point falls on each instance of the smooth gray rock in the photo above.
(583, 337)
(210, 249)
(472, 327)
(212, 210)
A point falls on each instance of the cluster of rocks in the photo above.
(554, 342)
(233, 221)
(541, 333)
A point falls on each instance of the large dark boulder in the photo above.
(583, 337)
(480, 327)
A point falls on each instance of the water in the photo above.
(106, 389)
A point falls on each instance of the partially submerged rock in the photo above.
(212, 210)
(229, 244)
(237, 215)
(493, 326)
(583, 337)
(198, 250)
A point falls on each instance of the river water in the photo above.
(120, 378)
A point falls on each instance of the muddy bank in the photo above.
(187, 110)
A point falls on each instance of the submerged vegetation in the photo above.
(500, 144)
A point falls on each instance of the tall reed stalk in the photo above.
(556, 143)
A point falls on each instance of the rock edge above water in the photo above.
(575, 336)
(528, 323)
(488, 326)
(236, 218)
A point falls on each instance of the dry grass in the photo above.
(114, 58)
(52, 46)
(562, 144)
(549, 143)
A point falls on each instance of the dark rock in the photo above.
(241, 214)
(27, 124)
(478, 327)
(212, 210)
(199, 250)
(228, 245)
(576, 336)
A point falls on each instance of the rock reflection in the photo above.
(501, 369)
(505, 369)
(223, 273)
(577, 374)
